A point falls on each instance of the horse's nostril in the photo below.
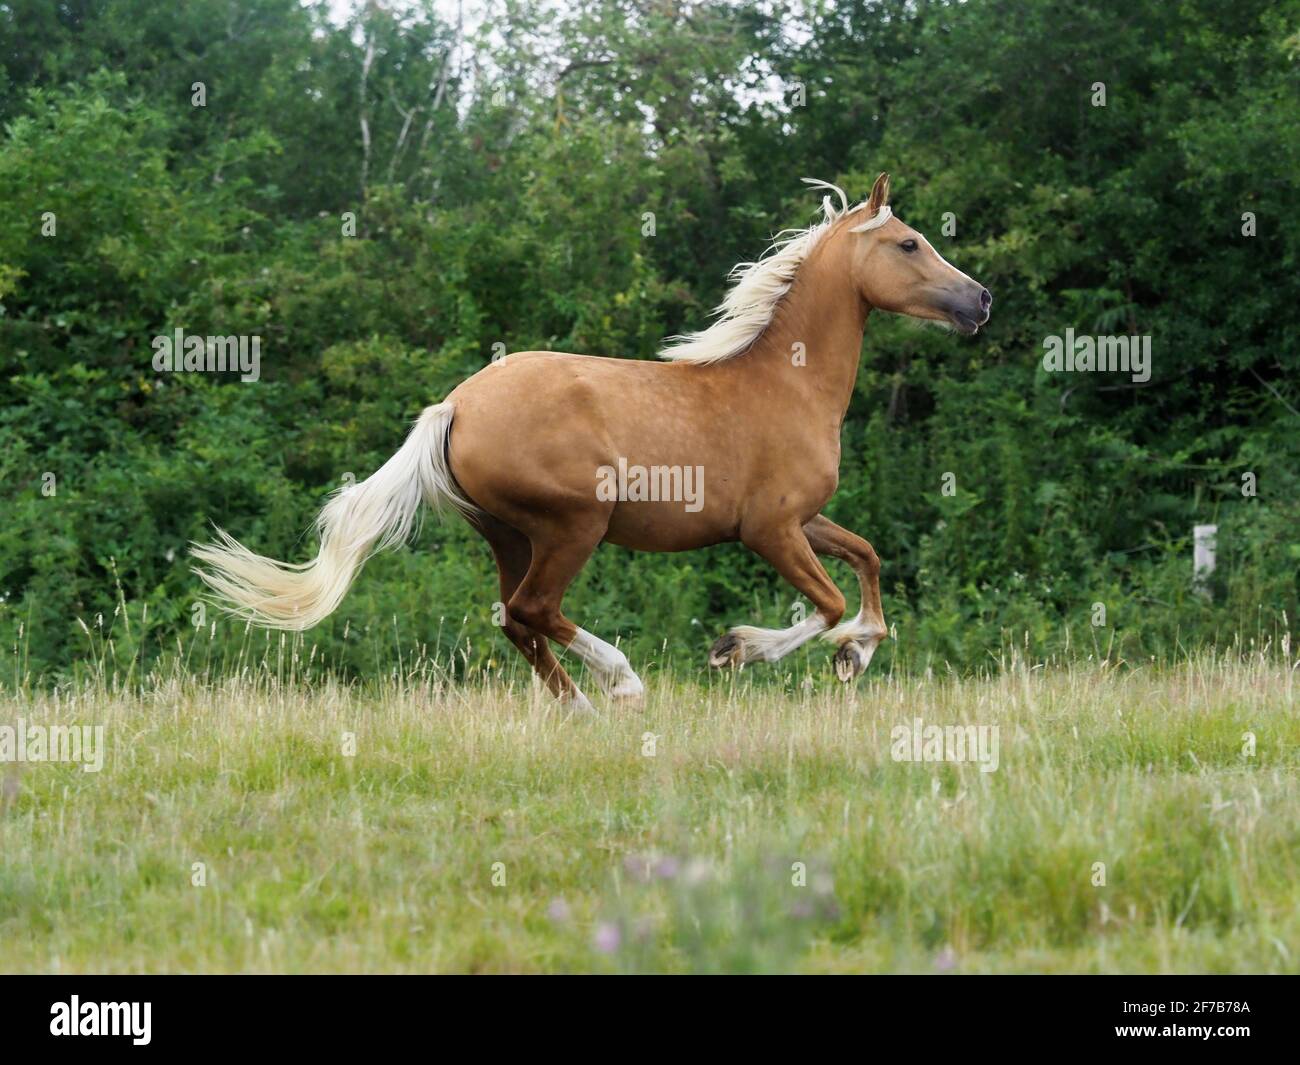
(986, 299)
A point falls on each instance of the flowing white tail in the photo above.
(358, 521)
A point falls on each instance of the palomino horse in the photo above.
(548, 454)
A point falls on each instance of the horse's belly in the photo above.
(667, 526)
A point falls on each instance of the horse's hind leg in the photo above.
(513, 554)
(557, 555)
(859, 636)
(789, 552)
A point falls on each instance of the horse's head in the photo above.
(896, 269)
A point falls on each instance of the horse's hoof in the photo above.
(727, 652)
(628, 692)
(850, 662)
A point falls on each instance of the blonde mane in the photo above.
(748, 307)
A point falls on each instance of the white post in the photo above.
(1203, 547)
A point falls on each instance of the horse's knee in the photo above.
(533, 611)
(526, 611)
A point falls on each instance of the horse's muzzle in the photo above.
(969, 310)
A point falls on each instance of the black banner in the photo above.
(143, 1014)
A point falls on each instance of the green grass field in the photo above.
(724, 826)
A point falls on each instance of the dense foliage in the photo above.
(386, 201)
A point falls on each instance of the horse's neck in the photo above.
(810, 349)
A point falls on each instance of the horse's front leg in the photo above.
(789, 552)
(858, 637)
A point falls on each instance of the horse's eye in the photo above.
(908, 245)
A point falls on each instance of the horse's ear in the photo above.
(879, 194)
